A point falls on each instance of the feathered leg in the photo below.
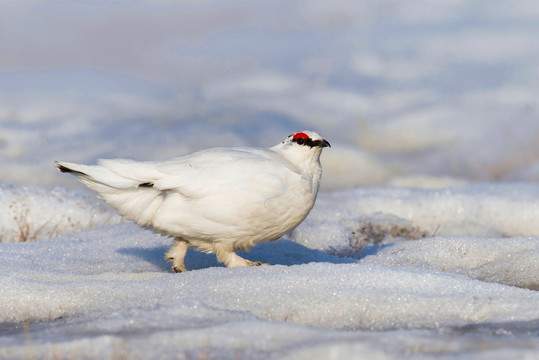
(176, 254)
(231, 259)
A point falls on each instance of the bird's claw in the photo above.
(179, 269)
(256, 263)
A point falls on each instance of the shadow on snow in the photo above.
(280, 252)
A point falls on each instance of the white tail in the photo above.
(127, 195)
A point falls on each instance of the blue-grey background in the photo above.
(417, 93)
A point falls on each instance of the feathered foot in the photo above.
(231, 259)
(176, 255)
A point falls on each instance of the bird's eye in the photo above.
(300, 141)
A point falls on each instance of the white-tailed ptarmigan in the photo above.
(217, 200)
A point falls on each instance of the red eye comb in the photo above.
(300, 135)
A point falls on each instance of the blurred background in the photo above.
(414, 93)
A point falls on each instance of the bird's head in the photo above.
(302, 147)
(307, 139)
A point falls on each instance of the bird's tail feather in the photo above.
(97, 177)
(120, 192)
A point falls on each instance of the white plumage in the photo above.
(217, 200)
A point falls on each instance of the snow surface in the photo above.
(30, 214)
(429, 105)
(108, 292)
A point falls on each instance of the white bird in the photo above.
(217, 200)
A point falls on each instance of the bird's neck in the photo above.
(306, 163)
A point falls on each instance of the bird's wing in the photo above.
(215, 171)
(210, 171)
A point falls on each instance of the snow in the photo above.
(422, 243)
(109, 292)
(30, 214)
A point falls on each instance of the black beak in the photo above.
(312, 143)
(323, 143)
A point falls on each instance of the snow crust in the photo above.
(32, 213)
(108, 291)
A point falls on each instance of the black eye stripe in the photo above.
(311, 143)
(306, 141)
